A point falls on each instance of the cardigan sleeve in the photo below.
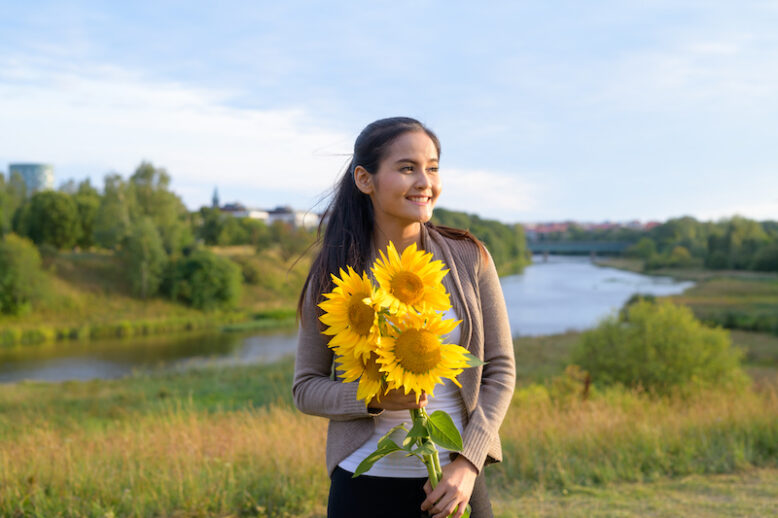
(314, 390)
(498, 377)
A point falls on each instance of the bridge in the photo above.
(577, 247)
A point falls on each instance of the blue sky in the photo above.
(546, 110)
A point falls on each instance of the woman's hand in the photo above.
(398, 400)
(454, 489)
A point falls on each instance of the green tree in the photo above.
(660, 347)
(5, 213)
(680, 257)
(257, 233)
(112, 221)
(88, 203)
(205, 280)
(149, 186)
(144, 257)
(232, 233)
(13, 192)
(52, 218)
(766, 258)
(734, 243)
(210, 225)
(21, 278)
(643, 249)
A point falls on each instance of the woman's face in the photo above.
(406, 185)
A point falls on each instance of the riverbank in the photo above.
(228, 441)
(88, 298)
(731, 299)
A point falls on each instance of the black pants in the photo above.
(384, 497)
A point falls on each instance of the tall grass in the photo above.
(180, 462)
(624, 435)
(229, 443)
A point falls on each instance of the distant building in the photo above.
(286, 214)
(238, 210)
(296, 218)
(37, 177)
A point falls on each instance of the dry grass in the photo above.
(180, 459)
(190, 462)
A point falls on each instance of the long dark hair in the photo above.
(346, 228)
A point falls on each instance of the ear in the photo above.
(363, 180)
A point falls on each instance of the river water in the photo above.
(564, 293)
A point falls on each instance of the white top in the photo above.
(447, 398)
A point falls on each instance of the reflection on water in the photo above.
(549, 297)
(120, 357)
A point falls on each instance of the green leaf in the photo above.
(474, 361)
(426, 448)
(443, 431)
(364, 466)
(419, 429)
(388, 436)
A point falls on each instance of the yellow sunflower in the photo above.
(411, 281)
(366, 370)
(413, 356)
(351, 314)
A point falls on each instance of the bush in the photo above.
(251, 269)
(660, 347)
(205, 280)
(21, 278)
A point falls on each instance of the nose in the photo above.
(423, 180)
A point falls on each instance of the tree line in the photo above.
(735, 243)
(161, 244)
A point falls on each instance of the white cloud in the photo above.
(490, 193)
(112, 119)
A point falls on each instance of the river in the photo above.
(564, 293)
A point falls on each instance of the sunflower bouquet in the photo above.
(390, 337)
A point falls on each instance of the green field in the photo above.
(228, 442)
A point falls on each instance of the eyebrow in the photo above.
(412, 161)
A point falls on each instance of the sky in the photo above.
(546, 111)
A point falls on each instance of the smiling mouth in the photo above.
(419, 199)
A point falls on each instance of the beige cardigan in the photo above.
(478, 301)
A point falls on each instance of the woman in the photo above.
(387, 194)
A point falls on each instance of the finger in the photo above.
(427, 487)
(432, 497)
(460, 510)
(442, 510)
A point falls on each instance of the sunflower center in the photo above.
(371, 368)
(408, 287)
(417, 350)
(360, 315)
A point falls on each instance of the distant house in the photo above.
(296, 218)
(285, 214)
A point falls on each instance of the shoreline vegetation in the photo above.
(88, 299)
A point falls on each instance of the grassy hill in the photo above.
(89, 296)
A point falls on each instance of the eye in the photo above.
(406, 169)
(432, 169)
